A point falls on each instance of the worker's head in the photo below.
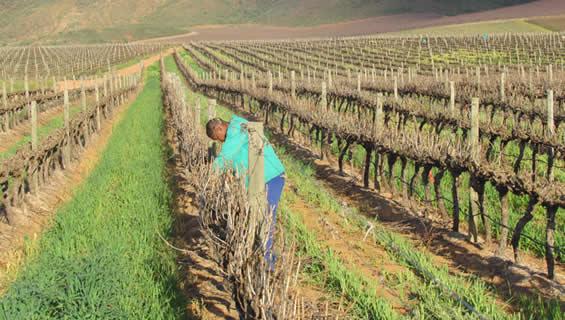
(216, 129)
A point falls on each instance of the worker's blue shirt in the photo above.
(235, 150)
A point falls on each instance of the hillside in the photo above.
(65, 21)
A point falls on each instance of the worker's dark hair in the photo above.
(211, 125)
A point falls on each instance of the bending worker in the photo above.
(234, 154)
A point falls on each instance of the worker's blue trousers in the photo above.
(274, 192)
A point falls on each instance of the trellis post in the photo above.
(359, 82)
(270, 76)
(26, 88)
(97, 97)
(550, 210)
(67, 118)
(293, 84)
(197, 113)
(82, 95)
(34, 146)
(395, 88)
(474, 146)
(502, 86)
(256, 190)
(211, 109)
(378, 114)
(478, 71)
(34, 125)
(5, 104)
(324, 97)
(452, 97)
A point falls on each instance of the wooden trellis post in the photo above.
(197, 113)
(26, 88)
(293, 84)
(550, 132)
(324, 97)
(211, 115)
(82, 95)
(551, 210)
(396, 88)
(67, 119)
(378, 114)
(211, 109)
(5, 105)
(270, 76)
(359, 82)
(478, 71)
(452, 97)
(97, 97)
(34, 146)
(34, 125)
(474, 146)
(502, 86)
(256, 190)
(105, 86)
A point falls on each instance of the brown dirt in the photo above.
(349, 243)
(201, 278)
(39, 210)
(365, 26)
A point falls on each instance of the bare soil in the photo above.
(201, 278)
(357, 252)
(368, 26)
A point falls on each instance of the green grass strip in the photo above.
(326, 269)
(103, 258)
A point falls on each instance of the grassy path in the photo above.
(103, 257)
